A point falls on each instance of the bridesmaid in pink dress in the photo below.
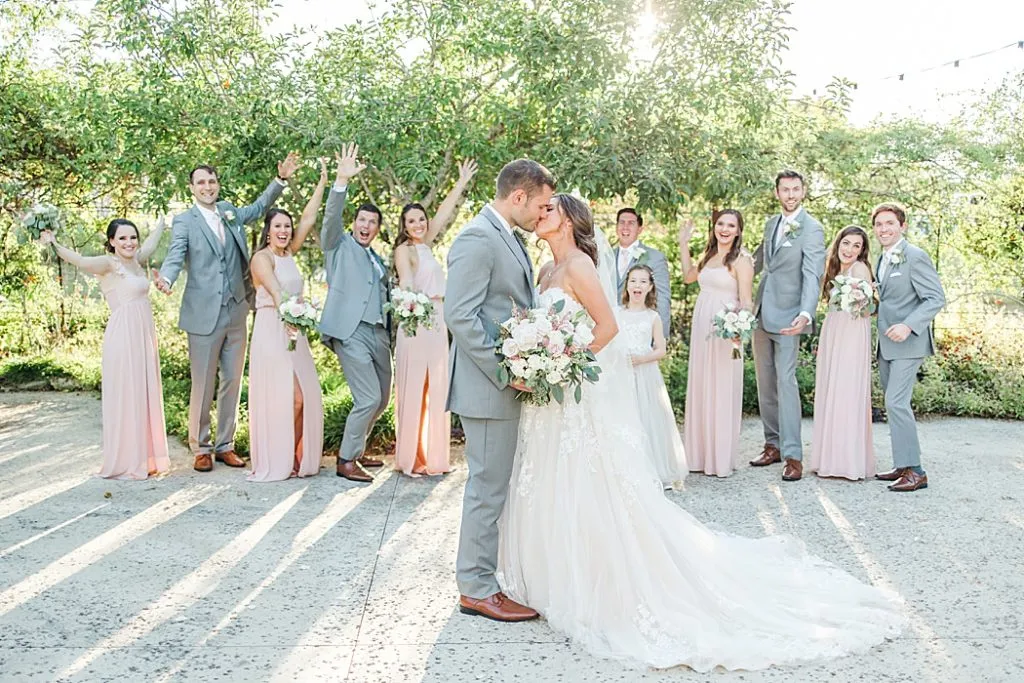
(286, 413)
(841, 445)
(134, 434)
(714, 385)
(423, 426)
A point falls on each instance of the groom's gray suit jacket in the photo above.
(216, 272)
(488, 272)
(790, 273)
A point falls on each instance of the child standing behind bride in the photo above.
(642, 327)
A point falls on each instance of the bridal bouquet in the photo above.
(300, 315)
(42, 217)
(546, 349)
(411, 310)
(736, 325)
(852, 295)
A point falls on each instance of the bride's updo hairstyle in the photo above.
(582, 220)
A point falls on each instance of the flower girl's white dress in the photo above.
(589, 539)
(659, 422)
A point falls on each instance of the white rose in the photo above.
(509, 348)
(519, 367)
(554, 377)
(543, 325)
(418, 310)
(525, 335)
(295, 308)
(743, 325)
(731, 318)
(582, 335)
(562, 362)
(535, 362)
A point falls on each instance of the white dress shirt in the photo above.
(501, 219)
(780, 234)
(213, 220)
(626, 256)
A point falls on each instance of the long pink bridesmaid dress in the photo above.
(841, 445)
(714, 385)
(134, 433)
(423, 426)
(273, 372)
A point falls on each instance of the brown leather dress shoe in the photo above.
(353, 471)
(910, 481)
(230, 458)
(891, 475)
(769, 456)
(367, 461)
(793, 470)
(498, 607)
(203, 463)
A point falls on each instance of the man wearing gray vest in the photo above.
(631, 251)
(791, 260)
(910, 296)
(489, 272)
(209, 241)
(354, 324)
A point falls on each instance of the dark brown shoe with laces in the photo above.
(769, 456)
(891, 475)
(498, 607)
(203, 463)
(230, 458)
(910, 481)
(793, 471)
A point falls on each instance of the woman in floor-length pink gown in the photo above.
(286, 414)
(841, 445)
(134, 433)
(423, 425)
(714, 386)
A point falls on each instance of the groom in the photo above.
(209, 241)
(489, 270)
(791, 259)
(910, 296)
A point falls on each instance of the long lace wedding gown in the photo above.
(589, 540)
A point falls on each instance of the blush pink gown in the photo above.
(841, 445)
(134, 433)
(273, 371)
(714, 385)
(423, 426)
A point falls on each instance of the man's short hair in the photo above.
(899, 211)
(371, 208)
(630, 209)
(202, 167)
(788, 173)
(523, 174)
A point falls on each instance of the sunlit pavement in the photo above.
(206, 577)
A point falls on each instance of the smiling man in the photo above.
(353, 324)
(910, 296)
(209, 241)
(629, 223)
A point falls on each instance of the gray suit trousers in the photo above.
(778, 397)
(898, 377)
(490, 454)
(223, 350)
(366, 361)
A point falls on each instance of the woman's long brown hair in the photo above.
(832, 264)
(712, 249)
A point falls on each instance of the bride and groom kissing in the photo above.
(562, 519)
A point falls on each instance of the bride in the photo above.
(589, 540)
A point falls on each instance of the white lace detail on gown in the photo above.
(590, 541)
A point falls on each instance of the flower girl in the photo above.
(639, 322)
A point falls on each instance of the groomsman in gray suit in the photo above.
(630, 251)
(791, 260)
(910, 296)
(489, 271)
(354, 324)
(209, 241)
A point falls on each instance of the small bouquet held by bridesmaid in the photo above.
(40, 218)
(411, 310)
(734, 324)
(852, 295)
(546, 350)
(300, 315)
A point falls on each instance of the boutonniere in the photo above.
(639, 255)
(896, 257)
(229, 216)
(791, 227)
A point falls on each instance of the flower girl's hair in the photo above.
(651, 300)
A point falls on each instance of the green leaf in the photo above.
(557, 393)
(578, 394)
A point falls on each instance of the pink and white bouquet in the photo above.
(300, 315)
(852, 295)
(411, 310)
(734, 324)
(546, 350)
